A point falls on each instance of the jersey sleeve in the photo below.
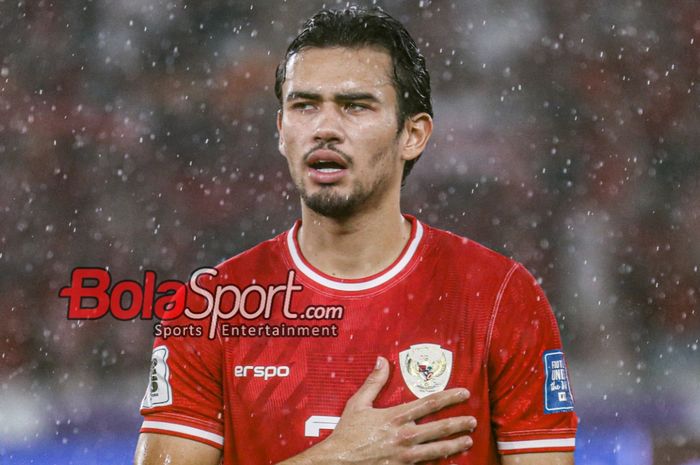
(531, 401)
(184, 396)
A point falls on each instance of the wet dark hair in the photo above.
(356, 27)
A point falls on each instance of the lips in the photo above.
(327, 158)
(326, 166)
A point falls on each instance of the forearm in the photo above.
(159, 449)
(319, 454)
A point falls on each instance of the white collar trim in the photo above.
(353, 286)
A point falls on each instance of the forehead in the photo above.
(335, 69)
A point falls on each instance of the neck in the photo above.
(355, 247)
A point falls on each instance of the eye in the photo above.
(302, 106)
(354, 107)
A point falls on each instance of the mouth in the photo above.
(326, 166)
(324, 159)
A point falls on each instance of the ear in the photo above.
(417, 131)
(280, 137)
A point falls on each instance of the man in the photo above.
(462, 348)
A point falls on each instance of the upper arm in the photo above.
(551, 458)
(530, 397)
(185, 394)
(159, 449)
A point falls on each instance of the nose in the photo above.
(328, 127)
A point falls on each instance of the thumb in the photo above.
(364, 397)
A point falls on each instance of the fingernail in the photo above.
(380, 362)
(463, 394)
(467, 442)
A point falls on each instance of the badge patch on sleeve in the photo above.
(158, 391)
(557, 391)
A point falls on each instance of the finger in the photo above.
(439, 429)
(430, 404)
(436, 450)
(364, 397)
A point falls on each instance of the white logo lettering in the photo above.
(315, 423)
(265, 372)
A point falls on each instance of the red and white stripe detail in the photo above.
(189, 432)
(544, 445)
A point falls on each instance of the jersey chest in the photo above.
(294, 388)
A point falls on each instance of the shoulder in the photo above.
(207, 285)
(467, 254)
(260, 256)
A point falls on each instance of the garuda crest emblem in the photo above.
(426, 368)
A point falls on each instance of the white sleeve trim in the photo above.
(536, 444)
(200, 433)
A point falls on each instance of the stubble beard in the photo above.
(327, 202)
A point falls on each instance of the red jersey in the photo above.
(274, 379)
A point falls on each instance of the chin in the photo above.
(332, 204)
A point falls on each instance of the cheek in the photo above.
(379, 128)
(377, 133)
(380, 139)
(289, 137)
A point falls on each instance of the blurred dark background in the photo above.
(140, 134)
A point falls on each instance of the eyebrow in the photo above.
(341, 97)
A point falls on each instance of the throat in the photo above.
(353, 253)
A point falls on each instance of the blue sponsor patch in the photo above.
(557, 391)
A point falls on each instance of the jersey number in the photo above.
(315, 423)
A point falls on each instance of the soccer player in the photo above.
(378, 339)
